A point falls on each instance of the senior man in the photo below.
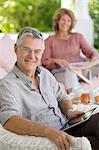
(33, 103)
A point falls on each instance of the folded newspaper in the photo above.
(84, 65)
(78, 67)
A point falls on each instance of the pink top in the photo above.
(68, 49)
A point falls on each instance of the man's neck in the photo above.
(31, 74)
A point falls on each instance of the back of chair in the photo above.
(7, 54)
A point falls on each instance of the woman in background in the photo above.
(65, 46)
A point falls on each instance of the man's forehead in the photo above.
(32, 44)
(33, 41)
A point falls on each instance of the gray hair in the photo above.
(28, 31)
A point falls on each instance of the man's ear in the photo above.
(15, 48)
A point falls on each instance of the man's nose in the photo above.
(32, 54)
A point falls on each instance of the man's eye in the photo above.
(26, 49)
(37, 51)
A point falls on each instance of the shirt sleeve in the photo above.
(60, 94)
(9, 104)
(86, 48)
(47, 60)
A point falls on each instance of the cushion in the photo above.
(7, 54)
(2, 73)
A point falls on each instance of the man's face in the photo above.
(29, 54)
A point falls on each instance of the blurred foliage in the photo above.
(16, 14)
(94, 13)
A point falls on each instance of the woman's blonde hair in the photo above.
(58, 14)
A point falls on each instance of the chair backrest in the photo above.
(7, 54)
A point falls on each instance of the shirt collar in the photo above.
(24, 77)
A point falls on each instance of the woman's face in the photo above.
(64, 23)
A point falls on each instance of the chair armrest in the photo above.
(12, 141)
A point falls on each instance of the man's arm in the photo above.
(66, 108)
(23, 126)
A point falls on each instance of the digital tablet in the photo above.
(85, 116)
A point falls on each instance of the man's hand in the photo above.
(75, 116)
(63, 140)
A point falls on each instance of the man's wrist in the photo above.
(68, 111)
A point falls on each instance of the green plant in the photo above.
(94, 12)
(37, 13)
